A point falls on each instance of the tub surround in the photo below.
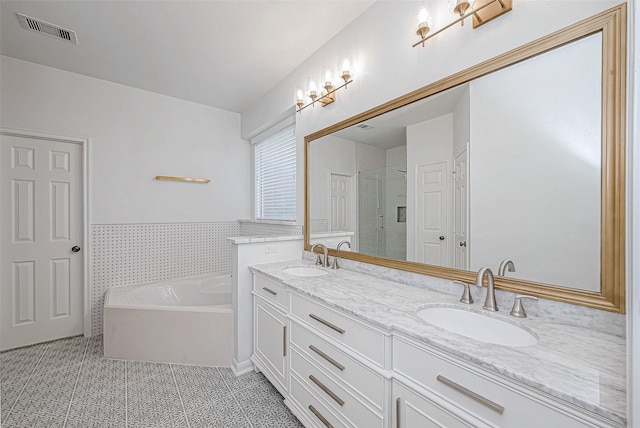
(578, 365)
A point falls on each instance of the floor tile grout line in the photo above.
(235, 398)
(27, 382)
(184, 410)
(75, 385)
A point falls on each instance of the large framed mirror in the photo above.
(519, 158)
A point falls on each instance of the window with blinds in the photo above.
(275, 175)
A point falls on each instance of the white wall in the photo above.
(535, 167)
(427, 142)
(461, 123)
(135, 135)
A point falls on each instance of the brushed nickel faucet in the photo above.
(319, 260)
(466, 293)
(518, 310)
(334, 265)
(490, 300)
(506, 265)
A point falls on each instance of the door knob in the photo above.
(441, 238)
(463, 244)
(75, 248)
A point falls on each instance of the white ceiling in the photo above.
(225, 54)
(390, 129)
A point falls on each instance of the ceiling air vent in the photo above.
(364, 126)
(46, 28)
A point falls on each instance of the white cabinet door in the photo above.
(412, 410)
(270, 343)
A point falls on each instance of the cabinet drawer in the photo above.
(315, 411)
(272, 291)
(412, 410)
(486, 397)
(342, 366)
(332, 394)
(361, 338)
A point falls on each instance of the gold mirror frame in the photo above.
(612, 24)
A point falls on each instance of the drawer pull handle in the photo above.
(268, 290)
(329, 392)
(319, 416)
(284, 340)
(326, 357)
(327, 323)
(398, 406)
(474, 396)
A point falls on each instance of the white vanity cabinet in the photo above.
(336, 370)
(270, 344)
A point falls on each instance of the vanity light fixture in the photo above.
(482, 11)
(326, 86)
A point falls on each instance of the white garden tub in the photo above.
(185, 322)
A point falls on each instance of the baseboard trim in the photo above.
(242, 367)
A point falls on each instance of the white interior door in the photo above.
(40, 237)
(432, 244)
(341, 203)
(461, 211)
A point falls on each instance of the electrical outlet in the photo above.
(269, 249)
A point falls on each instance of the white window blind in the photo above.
(275, 175)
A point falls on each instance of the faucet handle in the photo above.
(518, 310)
(334, 263)
(466, 293)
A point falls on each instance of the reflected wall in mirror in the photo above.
(520, 158)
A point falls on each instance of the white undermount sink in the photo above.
(477, 326)
(304, 271)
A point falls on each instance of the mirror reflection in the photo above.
(505, 167)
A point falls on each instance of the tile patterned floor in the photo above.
(67, 383)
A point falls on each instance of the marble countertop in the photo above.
(580, 366)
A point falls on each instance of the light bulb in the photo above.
(299, 98)
(327, 79)
(312, 89)
(423, 16)
(423, 22)
(345, 69)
